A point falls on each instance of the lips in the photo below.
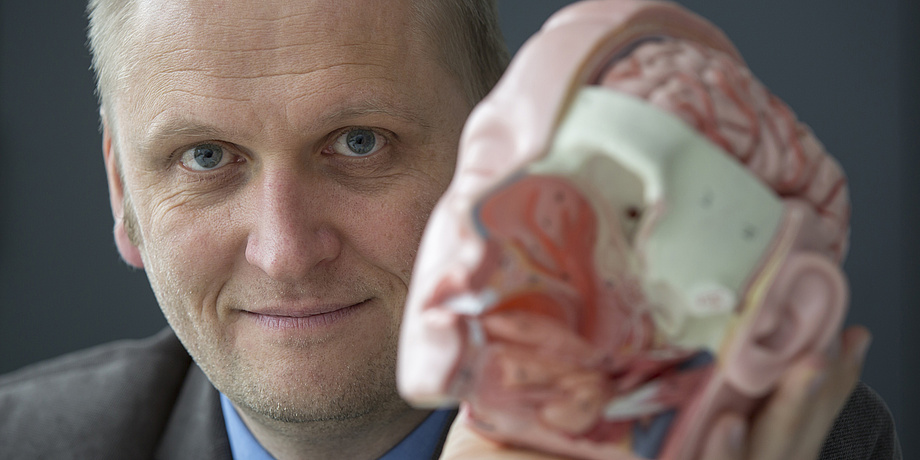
(300, 317)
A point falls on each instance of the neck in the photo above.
(368, 436)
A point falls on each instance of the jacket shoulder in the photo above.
(104, 402)
(863, 430)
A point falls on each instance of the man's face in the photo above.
(281, 159)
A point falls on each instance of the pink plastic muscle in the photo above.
(508, 310)
(563, 341)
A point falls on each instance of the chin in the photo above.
(323, 381)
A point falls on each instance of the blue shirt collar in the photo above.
(421, 443)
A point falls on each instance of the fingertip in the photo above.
(857, 340)
(849, 340)
(857, 331)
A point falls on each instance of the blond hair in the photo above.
(108, 36)
(469, 36)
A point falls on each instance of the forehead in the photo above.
(274, 53)
(280, 32)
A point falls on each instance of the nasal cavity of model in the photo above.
(541, 233)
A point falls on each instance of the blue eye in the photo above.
(204, 157)
(361, 141)
(358, 142)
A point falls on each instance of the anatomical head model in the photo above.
(638, 237)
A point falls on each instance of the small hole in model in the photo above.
(633, 213)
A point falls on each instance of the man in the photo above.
(271, 166)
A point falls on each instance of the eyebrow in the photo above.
(182, 127)
(178, 128)
(370, 107)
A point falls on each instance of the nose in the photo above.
(290, 233)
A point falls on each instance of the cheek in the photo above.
(187, 251)
(388, 231)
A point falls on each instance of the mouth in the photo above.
(304, 319)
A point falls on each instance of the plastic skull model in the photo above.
(638, 237)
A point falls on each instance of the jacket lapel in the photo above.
(195, 429)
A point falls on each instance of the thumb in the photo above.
(465, 443)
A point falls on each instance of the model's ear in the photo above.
(802, 313)
(128, 250)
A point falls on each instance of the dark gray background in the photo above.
(851, 70)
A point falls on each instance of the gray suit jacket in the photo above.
(147, 399)
(124, 400)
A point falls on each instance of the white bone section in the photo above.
(706, 220)
(470, 303)
(477, 334)
(639, 403)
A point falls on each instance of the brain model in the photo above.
(638, 237)
(716, 95)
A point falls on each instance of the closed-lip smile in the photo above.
(294, 317)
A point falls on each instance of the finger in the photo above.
(776, 428)
(846, 369)
(827, 396)
(831, 395)
(463, 443)
(726, 439)
(797, 417)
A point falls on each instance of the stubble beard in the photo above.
(351, 395)
(280, 391)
